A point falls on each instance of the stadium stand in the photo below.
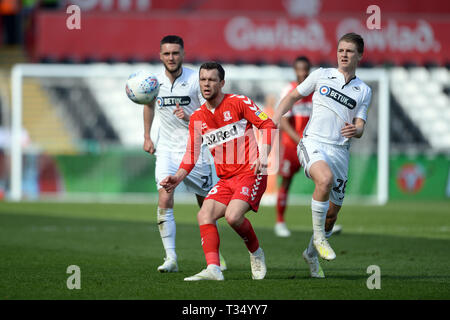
(255, 40)
(46, 128)
(412, 110)
(80, 111)
(421, 95)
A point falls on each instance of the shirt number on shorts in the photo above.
(207, 181)
(341, 184)
(213, 190)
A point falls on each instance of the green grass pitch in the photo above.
(118, 249)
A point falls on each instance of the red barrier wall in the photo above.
(244, 38)
(285, 7)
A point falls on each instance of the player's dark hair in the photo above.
(214, 65)
(172, 39)
(303, 59)
(354, 38)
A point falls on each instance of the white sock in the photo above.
(167, 231)
(319, 214)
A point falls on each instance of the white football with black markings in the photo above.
(142, 87)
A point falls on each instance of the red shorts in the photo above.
(289, 163)
(248, 188)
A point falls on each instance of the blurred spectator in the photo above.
(9, 16)
(49, 4)
(26, 18)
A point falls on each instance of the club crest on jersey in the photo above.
(356, 88)
(227, 116)
(245, 191)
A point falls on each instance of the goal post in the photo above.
(381, 76)
(236, 76)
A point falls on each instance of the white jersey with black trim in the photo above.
(334, 103)
(168, 132)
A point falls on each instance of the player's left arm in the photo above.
(261, 120)
(169, 183)
(355, 129)
(180, 113)
(190, 157)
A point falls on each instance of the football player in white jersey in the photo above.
(339, 113)
(166, 125)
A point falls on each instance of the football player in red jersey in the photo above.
(292, 125)
(225, 124)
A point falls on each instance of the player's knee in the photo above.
(165, 200)
(325, 182)
(204, 217)
(233, 219)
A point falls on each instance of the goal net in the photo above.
(86, 136)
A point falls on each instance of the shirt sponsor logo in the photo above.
(172, 101)
(338, 97)
(224, 134)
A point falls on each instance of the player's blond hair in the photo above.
(354, 38)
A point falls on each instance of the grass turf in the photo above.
(118, 250)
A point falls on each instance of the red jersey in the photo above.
(227, 131)
(298, 116)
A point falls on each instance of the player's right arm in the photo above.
(285, 105)
(190, 157)
(171, 182)
(304, 89)
(149, 110)
(291, 132)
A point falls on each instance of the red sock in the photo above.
(210, 243)
(248, 235)
(281, 204)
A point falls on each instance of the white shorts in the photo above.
(198, 181)
(336, 156)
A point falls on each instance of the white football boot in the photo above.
(281, 230)
(258, 264)
(314, 266)
(324, 249)
(223, 263)
(169, 265)
(212, 272)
